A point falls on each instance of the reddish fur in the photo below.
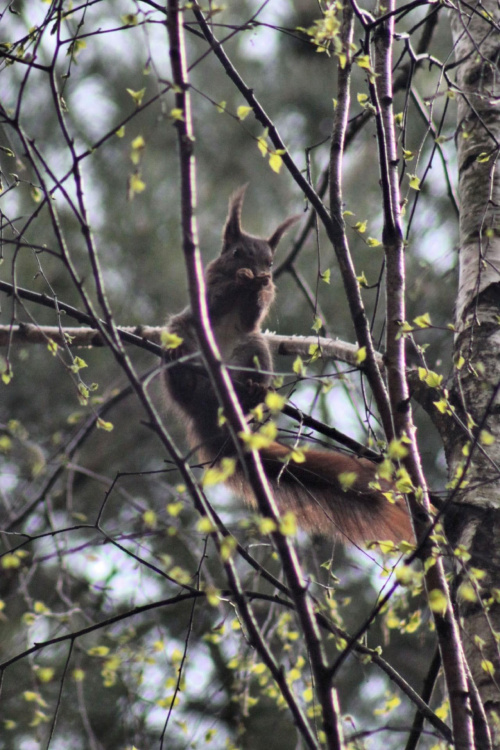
(312, 490)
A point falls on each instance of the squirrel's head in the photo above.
(245, 250)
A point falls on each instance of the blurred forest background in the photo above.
(118, 686)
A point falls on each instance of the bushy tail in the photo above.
(330, 494)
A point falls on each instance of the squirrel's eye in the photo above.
(237, 252)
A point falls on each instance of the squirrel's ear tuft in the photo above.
(232, 227)
(280, 231)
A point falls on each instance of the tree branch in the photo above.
(446, 624)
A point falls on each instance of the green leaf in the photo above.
(317, 325)
(242, 112)
(430, 378)
(5, 444)
(442, 406)
(213, 598)
(137, 96)
(488, 667)
(298, 366)
(255, 441)
(405, 575)
(10, 561)
(360, 226)
(150, 519)
(138, 146)
(414, 181)
(406, 327)
(308, 695)
(219, 473)
(75, 47)
(397, 449)
(262, 142)
(393, 701)
(443, 710)
(297, 455)
(206, 526)
(106, 426)
(486, 438)
(423, 321)
(130, 19)
(78, 364)
(275, 402)
(315, 352)
(32, 697)
(466, 592)
(363, 61)
(437, 601)
(347, 479)
(170, 340)
(266, 525)
(275, 161)
(36, 194)
(135, 185)
(361, 355)
(288, 524)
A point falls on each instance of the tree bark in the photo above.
(474, 456)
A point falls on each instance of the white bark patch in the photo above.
(479, 268)
(467, 535)
(478, 133)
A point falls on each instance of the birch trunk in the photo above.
(475, 449)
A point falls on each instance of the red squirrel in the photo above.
(240, 291)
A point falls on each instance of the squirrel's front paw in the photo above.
(247, 278)
(255, 392)
(263, 279)
(244, 275)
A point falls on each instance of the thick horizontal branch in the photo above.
(336, 349)
(149, 337)
(27, 333)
